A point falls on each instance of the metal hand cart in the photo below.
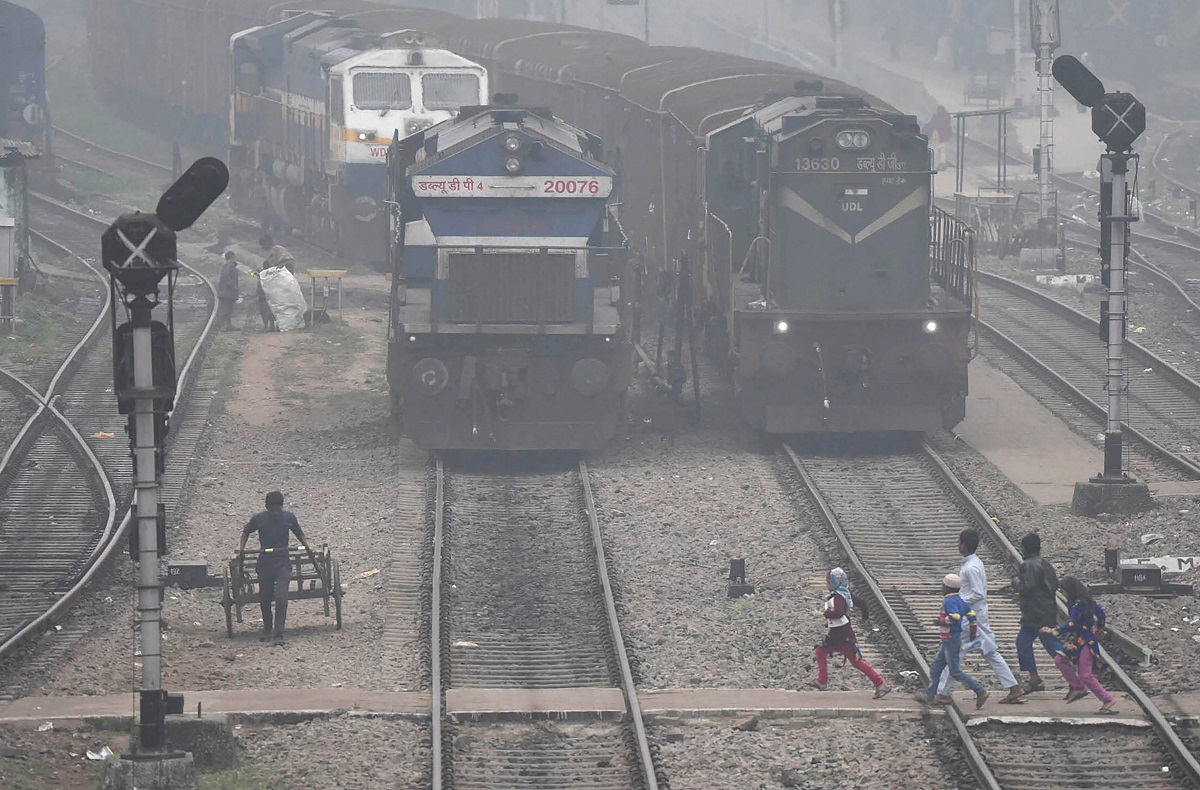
(314, 575)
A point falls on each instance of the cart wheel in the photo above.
(337, 593)
(227, 602)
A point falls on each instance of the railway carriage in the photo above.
(516, 341)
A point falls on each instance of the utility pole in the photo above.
(1016, 48)
(1118, 119)
(646, 9)
(837, 21)
(767, 22)
(139, 251)
(1044, 33)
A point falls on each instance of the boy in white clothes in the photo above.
(974, 594)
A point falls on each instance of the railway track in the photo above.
(63, 513)
(896, 515)
(82, 152)
(1162, 407)
(521, 601)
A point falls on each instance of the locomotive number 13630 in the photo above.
(806, 164)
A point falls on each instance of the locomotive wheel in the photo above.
(227, 602)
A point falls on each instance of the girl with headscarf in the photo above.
(840, 638)
(1080, 654)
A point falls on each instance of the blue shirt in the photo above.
(272, 529)
(954, 611)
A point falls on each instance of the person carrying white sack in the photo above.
(284, 297)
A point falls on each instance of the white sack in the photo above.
(284, 297)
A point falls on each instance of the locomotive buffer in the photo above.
(139, 251)
(1118, 119)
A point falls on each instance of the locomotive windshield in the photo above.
(382, 90)
(449, 91)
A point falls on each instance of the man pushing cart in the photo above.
(275, 563)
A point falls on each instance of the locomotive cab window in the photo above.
(449, 91)
(382, 90)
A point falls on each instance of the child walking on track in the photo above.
(1080, 646)
(954, 611)
(840, 639)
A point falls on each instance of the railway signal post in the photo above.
(1118, 119)
(139, 252)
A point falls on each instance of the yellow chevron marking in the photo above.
(915, 200)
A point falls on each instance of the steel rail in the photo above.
(1186, 465)
(435, 635)
(958, 721)
(1139, 260)
(1160, 723)
(136, 160)
(111, 537)
(610, 606)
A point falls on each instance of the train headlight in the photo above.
(512, 143)
(362, 137)
(929, 326)
(416, 124)
(781, 327)
(853, 139)
(512, 165)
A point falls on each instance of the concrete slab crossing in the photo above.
(288, 705)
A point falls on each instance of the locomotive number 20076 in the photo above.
(573, 186)
(818, 163)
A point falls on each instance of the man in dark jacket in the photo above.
(228, 291)
(1035, 588)
(274, 561)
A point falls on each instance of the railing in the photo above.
(952, 255)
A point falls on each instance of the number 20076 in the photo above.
(570, 187)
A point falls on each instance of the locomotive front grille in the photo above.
(511, 288)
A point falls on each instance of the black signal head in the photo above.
(189, 197)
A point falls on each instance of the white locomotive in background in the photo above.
(316, 101)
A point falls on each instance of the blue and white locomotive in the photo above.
(515, 340)
(316, 102)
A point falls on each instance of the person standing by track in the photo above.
(277, 255)
(228, 291)
(274, 562)
(264, 307)
(974, 594)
